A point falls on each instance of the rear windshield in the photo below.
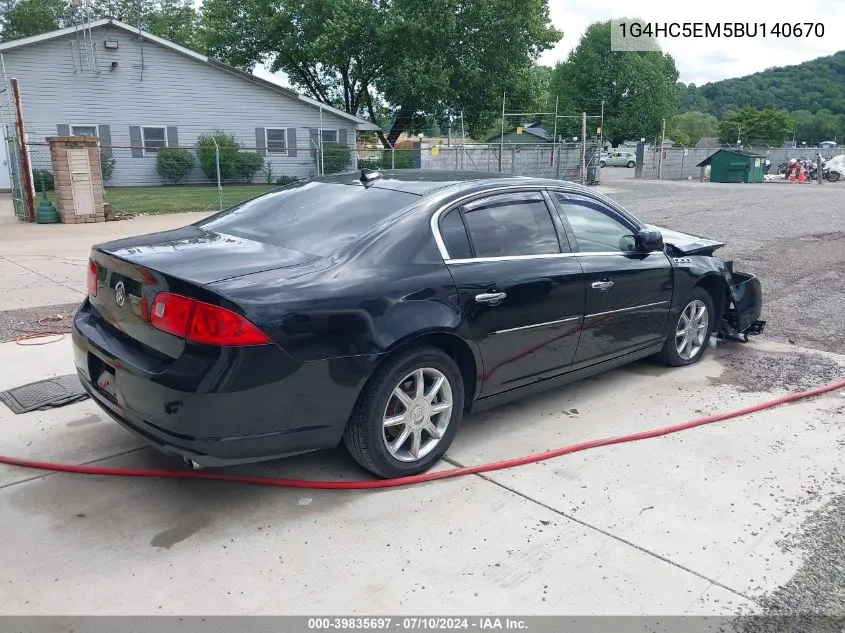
(314, 217)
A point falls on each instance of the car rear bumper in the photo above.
(742, 316)
(213, 406)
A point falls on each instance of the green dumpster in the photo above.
(730, 165)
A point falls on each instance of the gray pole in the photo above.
(660, 158)
(463, 142)
(583, 148)
(502, 138)
(554, 134)
(217, 165)
(601, 127)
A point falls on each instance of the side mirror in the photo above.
(648, 241)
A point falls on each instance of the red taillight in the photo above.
(92, 278)
(203, 322)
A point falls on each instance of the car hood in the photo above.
(685, 243)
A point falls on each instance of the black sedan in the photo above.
(378, 308)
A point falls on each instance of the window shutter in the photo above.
(135, 141)
(104, 132)
(172, 136)
(260, 141)
(291, 141)
(63, 129)
(341, 137)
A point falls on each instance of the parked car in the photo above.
(377, 308)
(619, 159)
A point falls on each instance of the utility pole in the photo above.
(26, 167)
(584, 148)
(660, 159)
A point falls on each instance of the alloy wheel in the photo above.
(417, 414)
(691, 330)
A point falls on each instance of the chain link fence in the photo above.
(560, 161)
(174, 179)
(681, 163)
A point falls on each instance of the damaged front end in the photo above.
(745, 305)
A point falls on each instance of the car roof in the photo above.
(424, 181)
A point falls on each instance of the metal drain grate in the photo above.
(44, 394)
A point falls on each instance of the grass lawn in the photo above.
(176, 199)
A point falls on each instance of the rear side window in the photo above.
(454, 235)
(314, 217)
(511, 224)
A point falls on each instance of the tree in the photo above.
(420, 57)
(750, 126)
(814, 85)
(693, 126)
(822, 126)
(33, 17)
(639, 88)
(175, 20)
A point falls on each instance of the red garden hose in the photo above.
(429, 476)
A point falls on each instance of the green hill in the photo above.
(815, 85)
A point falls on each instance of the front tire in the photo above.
(407, 415)
(833, 176)
(690, 331)
(602, 164)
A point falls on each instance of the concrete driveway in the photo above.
(44, 264)
(693, 523)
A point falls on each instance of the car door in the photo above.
(629, 293)
(520, 288)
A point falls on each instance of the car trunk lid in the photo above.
(132, 271)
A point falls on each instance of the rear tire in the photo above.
(398, 429)
(631, 164)
(690, 331)
(833, 176)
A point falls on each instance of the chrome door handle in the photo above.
(602, 285)
(490, 297)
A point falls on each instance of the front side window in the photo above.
(154, 138)
(595, 227)
(511, 224)
(276, 140)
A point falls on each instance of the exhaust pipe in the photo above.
(191, 464)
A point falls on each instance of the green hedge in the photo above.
(174, 164)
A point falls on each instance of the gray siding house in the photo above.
(139, 93)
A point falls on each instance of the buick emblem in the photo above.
(120, 294)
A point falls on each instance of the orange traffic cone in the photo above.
(791, 175)
(801, 175)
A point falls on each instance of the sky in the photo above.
(704, 60)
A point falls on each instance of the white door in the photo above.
(80, 178)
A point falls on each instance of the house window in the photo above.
(83, 130)
(154, 139)
(276, 140)
(330, 136)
